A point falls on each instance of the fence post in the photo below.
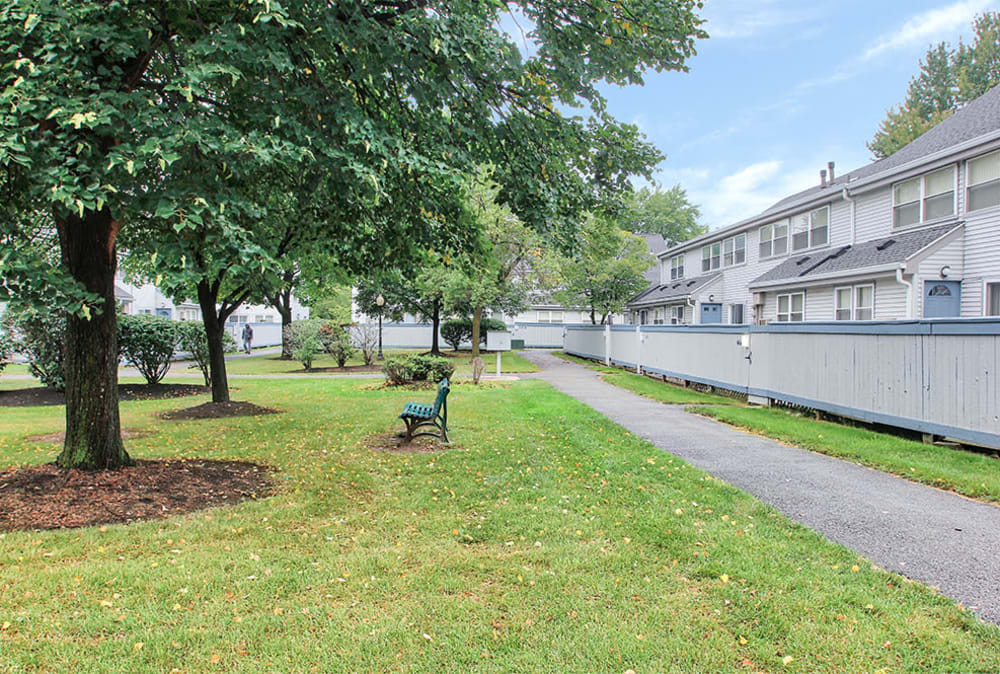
(638, 349)
(607, 344)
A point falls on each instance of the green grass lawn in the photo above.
(511, 362)
(15, 368)
(663, 391)
(969, 473)
(545, 539)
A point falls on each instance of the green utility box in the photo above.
(516, 344)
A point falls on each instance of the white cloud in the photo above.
(740, 19)
(927, 26)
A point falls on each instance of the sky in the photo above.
(780, 88)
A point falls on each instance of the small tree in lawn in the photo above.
(148, 342)
(606, 271)
(191, 338)
(364, 336)
(486, 275)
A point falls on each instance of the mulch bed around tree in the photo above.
(233, 408)
(30, 397)
(48, 497)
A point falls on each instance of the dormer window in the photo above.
(774, 239)
(924, 198)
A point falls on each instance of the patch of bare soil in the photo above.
(34, 396)
(233, 408)
(60, 436)
(48, 497)
(393, 442)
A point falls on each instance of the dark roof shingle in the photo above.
(675, 290)
(879, 252)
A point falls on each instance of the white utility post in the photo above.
(638, 349)
(607, 344)
(499, 341)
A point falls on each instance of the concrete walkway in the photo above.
(939, 538)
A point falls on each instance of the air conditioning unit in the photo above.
(758, 298)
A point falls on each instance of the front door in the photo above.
(942, 299)
(711, 313)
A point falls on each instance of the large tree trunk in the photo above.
(282, 302)
(93, 429)
(477, 319)
(436, 323)
(214, 328)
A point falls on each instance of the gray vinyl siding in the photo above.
(874, 214)
(890, 300)
(982, 257)
(840, 223)
(819, 304)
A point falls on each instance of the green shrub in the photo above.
(148, 342)
(6, 348)
(192, 338)
(441, 368)
(337, 342)
(39, 333)
(296, 333)
(307, 351)
(397, 369)
(456, 331)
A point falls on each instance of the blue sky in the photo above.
(780, 88)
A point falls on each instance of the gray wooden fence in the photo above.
(939, 377)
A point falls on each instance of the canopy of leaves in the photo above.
(948, 79)
(607, 271)
(665, 212)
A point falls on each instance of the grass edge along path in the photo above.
(546, 538)
(964, 472)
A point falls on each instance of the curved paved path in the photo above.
(939, 538)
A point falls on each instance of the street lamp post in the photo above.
(380, 301)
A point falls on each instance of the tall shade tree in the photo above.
(121, 113)
(606, 271)
(948, 79)
(417, 289)
(666, 212)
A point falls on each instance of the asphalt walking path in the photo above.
(939, 538)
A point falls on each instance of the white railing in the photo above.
(940, 377)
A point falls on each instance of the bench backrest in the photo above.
(442, 396)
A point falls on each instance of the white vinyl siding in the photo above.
(983, 182)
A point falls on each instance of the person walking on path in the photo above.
(247, 338)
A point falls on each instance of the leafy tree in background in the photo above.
(948, 79)
(606, 271)
(416, 289)
(127, 119)
(666, 212)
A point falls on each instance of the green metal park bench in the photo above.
(420, 415)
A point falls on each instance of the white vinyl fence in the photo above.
(939, 377)
(418, 335)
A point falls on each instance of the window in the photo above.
(774, 239)
(711, 256)
(550, 317)
(993, 299)
(736, 313)
(677, 314)
(812, 229)
(238, 318)
(928, 197)
(189, 314)
(855, 303)
(734, 250)
(676, 267)
(984, 182)
(658, 317)
(791, 307)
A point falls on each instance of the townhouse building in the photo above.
(914, 235)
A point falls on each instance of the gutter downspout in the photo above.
(691, 303)
(909, 290)
(854, 214)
